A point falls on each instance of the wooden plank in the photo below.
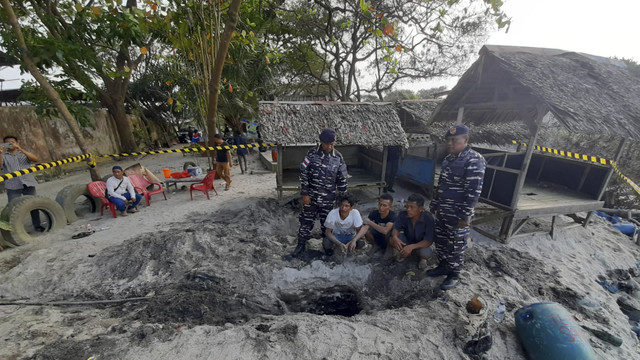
(541, 111)
(518, 227)
(279, 171)
(553, 227)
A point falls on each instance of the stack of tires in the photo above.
(53, 214)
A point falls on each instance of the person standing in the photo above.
(120, 191)
(14, 158)
(223, 161)
(394, 154)
(455, 198)
(241, 151)
(323, 171)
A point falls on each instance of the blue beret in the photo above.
(116, 168)
(457, 130)
(328, 136)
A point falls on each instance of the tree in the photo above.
(402, 94)
(97, 45)
(30, 64)
(355, 47)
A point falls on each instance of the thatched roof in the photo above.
(296, 123)
(414, 114)
(586, 94)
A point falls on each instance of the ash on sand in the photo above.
(218, 287)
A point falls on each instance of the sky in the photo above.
(604, 28)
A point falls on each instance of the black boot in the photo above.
(450, 282)
(438, 271)
(299, 249)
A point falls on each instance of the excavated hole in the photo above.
(335, 300)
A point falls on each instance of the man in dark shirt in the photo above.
(223, 161)
(14, 158)
(393, 163)
(380, 222)
(413, 232)
(241, 143)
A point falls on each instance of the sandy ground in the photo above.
(207, 280)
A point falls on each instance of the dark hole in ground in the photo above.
(335, 300)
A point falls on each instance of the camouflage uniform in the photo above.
(457, 194)
(321, 174)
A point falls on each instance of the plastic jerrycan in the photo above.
(548, 332)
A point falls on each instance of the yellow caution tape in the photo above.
(92, 162)
(419, 138)
(569, 154)
(590, 158)
(626, 179)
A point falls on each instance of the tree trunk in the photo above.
(214, 84)
(48, 89)
(123, 125)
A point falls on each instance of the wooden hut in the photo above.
(363, 133)
(505, 95)
(419, 164)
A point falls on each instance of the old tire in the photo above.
(18, 211)
(189, 164)
(67, 199)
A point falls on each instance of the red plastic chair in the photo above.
(141, 183)
(97, 189)
(205, 185)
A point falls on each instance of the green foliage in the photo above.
(632, 66)
(75, 100)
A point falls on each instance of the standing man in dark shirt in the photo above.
(380, 222)
(242, 152)
(322, 172)
(459, 188)
(413, 232)
(223, 161)
(394, 154)
(16, 158)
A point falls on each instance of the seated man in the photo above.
(413, 232)
(379, 223)
(120, 191)
(344, 227)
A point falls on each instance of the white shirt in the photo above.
(343, 226)
(126, 186)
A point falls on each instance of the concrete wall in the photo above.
(50, 138)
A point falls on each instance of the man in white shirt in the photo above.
(120, 191)
(344, 227)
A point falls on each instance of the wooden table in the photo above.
(174, 182)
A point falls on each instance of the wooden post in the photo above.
(541, 111)
(279, 180)
(553, 227)
(460, 115)
(607, 179)
(385, 155)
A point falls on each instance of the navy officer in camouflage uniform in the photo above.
(457, 194)
(323, 171)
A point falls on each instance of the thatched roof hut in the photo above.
(414, 114)
(586, 94)
(294, 123)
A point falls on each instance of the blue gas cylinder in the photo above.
(548, 332)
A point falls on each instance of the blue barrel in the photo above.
(548, 332)
(625, 228)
